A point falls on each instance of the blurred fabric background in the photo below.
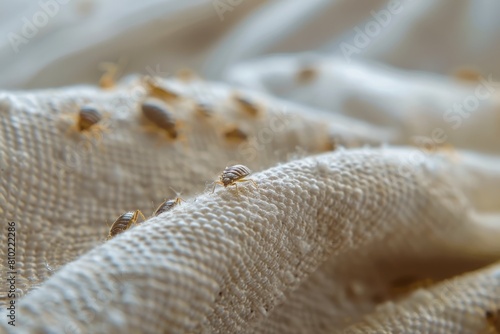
(50, 43)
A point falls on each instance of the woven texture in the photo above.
(300, 253)
(377, 200)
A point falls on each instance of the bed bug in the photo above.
(111, 72)
(329, 143)
(247, 105)
(167, 206)
(124, 222)
(446, 148)
(233, 175)
(407, 284)
(467, 74)
(493, 318)
(306, 74)
(88, 117)
(235, 134)
(89, 121)
(155, 89)
(159, 115)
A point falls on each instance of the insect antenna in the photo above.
(178, 194)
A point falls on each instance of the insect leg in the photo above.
(215, 184)
(140, 213)
(254, 183)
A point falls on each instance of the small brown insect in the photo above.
(329, 143)
(246, 104)
(493, 318)
(167, 206)
(88, 121)
(155, 89)
(88, 117)
(232, 175)
(467, 74)
(407, 284)
(306, 74)
(124, 222)
(111, 72)
(158, 114)
(235, 134)
(446, 148)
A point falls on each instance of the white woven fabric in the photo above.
(228, 262)
(377, 206)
